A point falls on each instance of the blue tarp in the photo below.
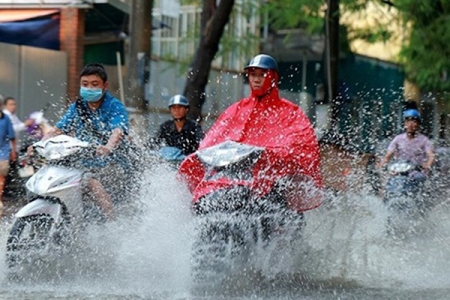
(42, 32)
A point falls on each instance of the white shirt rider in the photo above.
(10, 108)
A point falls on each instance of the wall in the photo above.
(36, 77)
(167, 79)
(71, 37)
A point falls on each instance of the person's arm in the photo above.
(61, 127)
(429, 150)
(430, 160)
(113, 141)
(12, 137)
(13, 154)
(18, 125)
(51, 133)
(389, 154)
(119, 125)
(65, 125)
(385, 159)
(28, 122)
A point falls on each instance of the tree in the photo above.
(425, 54)
(332, 57)
(138, 51)
(213, 21)
(425, 32)
(315, 17)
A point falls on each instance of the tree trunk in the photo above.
(332, 23)
(213, 22)
(139, 47)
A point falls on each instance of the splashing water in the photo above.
(141, 256)
(345, 244)
(349, 242)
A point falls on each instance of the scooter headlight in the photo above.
(400, 167)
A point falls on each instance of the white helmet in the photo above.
(178, 100)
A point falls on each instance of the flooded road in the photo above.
(346, 255)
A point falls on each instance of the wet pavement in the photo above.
(347, 255)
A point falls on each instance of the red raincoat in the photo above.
(282, 129)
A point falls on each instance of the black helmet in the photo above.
(263, 61)
(178, 100)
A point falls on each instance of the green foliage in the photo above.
(425, 52)
(229, 42)
(290, 14)
(190, 2)
(425, 55)
(372, 35)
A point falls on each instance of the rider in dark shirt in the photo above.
(180, 132)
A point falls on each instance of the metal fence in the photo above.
(36, 78)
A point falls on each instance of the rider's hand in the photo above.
(13, 156)
(426, 168)
(380, 164)
(103, 150)
(29, 122)
(30, 150)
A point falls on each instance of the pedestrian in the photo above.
(7, 151)
(10, 109)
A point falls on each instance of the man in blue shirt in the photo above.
(7, 151)
(101, 119)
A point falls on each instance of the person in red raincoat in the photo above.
(266, 120)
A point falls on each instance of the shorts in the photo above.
(4, 167)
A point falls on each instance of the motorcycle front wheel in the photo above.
(29, 237)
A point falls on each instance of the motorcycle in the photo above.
(19, 172)
(234, 217)
(172, 155)
(405, 196)
(161, 153)
(22, 169)
(57, 209)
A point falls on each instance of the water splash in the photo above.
(345, 243)
(349, 243)
(142, 255)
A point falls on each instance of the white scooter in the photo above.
(56, 208)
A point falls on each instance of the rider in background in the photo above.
(10, 109)
(411, 145)
(180, 132)
(38, 129)
(7, 151)
(99, 118)
(264, 119)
